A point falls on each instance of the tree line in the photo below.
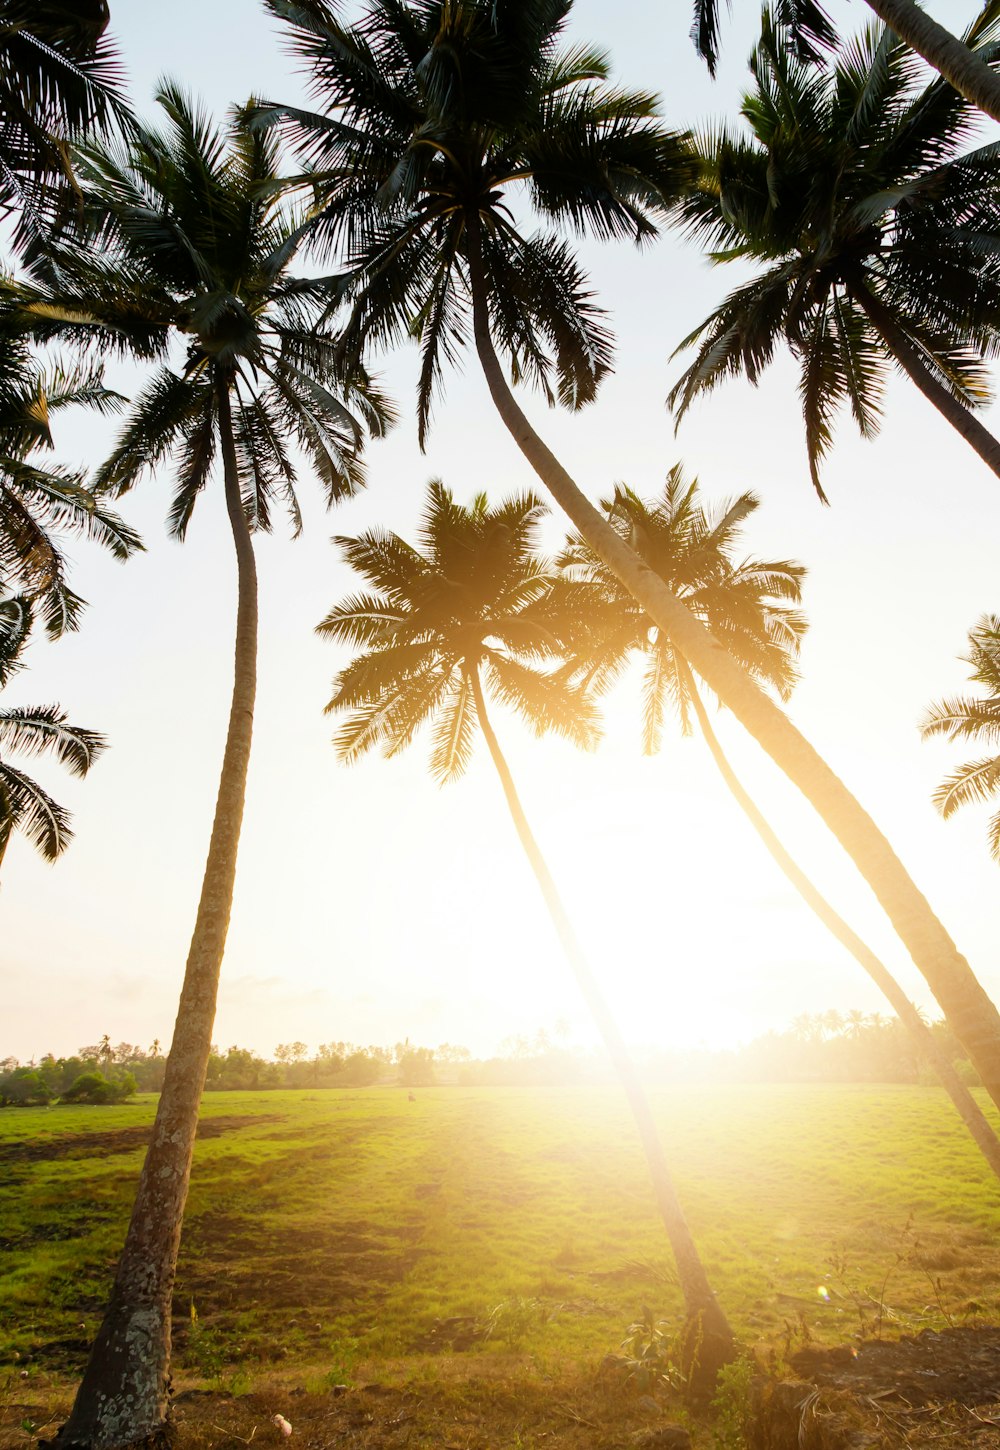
(823, 1047)
(849, 188)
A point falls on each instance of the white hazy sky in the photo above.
(371, 904)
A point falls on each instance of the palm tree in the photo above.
(60, 79)
(435, 116)
(966, 717)
(37, 504)
(465, 614)
(752, 608)
(872, 227)
(810, 30)
(188, 245)
(35, 730)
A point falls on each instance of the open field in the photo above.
(503, 1236)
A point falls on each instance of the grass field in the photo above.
(340, 1237)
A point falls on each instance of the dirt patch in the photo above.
(481, 1410)
(114, 1140)
(939, 1388)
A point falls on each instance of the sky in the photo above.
(372, 905)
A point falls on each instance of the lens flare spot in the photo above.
(823, 1293)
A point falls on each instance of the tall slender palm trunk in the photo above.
(960, 66)
(124, 1396)
(709, 1338)
(973, 1017)
(965, 1104)
(961, 418)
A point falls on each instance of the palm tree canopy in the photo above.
(750, 605)
(966, 717)
(853, 181)
(59, 78)
(442, 123)
(38, 504)
(186, 243)
(472, 598)
(32, 730)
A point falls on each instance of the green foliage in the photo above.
(731, 1403)
(513, 1319)
(94, 1087)
(24, 1086)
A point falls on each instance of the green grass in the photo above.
(330, 1230)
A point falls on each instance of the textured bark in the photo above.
(965, 1104)
(124, 1396)
(971, 1014)
(960, 66)
(712, 1343)
(965, 423)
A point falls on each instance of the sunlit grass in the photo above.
(337, 1230)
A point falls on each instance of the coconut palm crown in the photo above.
(966, 717)
(187, 244)
(873, 230)
(32, 730)
(750, 606)
(440, 121)
(469, 603)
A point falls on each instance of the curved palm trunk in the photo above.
(971, 1014)
(965, 1104)
(709, 1337)
(123, 1398)
(965, 422)
(960, 66)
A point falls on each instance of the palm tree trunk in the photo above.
(973, 1017)
(960, 66)
(965, 1104)
(709, 1333)
(965, 422)
(124, 1396)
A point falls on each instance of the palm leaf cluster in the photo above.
(33, 730)
(470, 600)
(966, 717)
(751, 606)
(59, 79)
(183, 240)
(40, 504)
(868, 219)
(441, 120)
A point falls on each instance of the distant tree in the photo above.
(94, 1087)
(416, 1067)
(22, 1087)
